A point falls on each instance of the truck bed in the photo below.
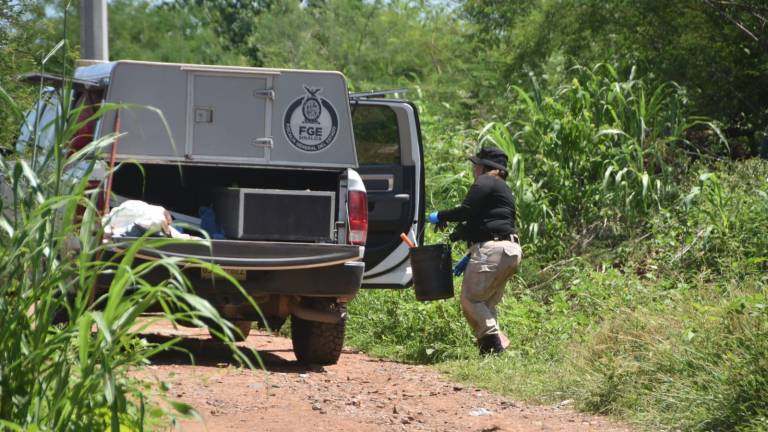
(185, 188)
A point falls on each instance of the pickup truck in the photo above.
(311, 185)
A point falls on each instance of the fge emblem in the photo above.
(310, 122)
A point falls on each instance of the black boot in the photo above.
(490, 344)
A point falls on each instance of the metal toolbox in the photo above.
(276, 214)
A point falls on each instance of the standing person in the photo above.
(487, 223)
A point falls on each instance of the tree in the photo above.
(376, 44)
(749, 16)
(147, 30)
(682, 41)
(24, 40)
(232, 21)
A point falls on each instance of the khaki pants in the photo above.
(491, 264)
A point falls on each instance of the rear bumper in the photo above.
(339, 280)
(252, 255)
(342, 280)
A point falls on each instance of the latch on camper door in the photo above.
(203, 115)
(263, 142)
(267, 93)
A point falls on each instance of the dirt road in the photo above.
(358, 394)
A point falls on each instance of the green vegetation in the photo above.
(630, 125)
(64, 361)
(668, 330)
(642, 293)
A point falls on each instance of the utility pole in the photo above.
(94, 30)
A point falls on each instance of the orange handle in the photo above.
(406, 240)
(108, 188)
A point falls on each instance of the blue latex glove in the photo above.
(433, 218)
(208, 223)
(460, 266)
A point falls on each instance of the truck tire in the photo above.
(317, 342)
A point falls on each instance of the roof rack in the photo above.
(58, 80)
(376, 93)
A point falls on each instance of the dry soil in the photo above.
(359, 393)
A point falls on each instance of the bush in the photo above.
(697, 368)
(64, 362)
(393, 324)
(596, 148)
(642, 291)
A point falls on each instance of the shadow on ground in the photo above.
(213, 353)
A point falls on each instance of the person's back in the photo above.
(496, 215)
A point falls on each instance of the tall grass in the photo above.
(699, 368)
(64, 361)
(642, 293)
(598, 149)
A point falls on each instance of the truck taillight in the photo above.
(358, 218)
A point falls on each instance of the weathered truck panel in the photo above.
(218, 114)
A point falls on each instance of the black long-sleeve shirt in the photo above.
(488, 210)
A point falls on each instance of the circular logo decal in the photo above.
(310, 122)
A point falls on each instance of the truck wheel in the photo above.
(317, 342)
(243, 326)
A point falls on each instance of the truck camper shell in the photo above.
(222, 114)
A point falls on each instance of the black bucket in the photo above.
(432, 272)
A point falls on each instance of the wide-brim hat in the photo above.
(492, 157)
